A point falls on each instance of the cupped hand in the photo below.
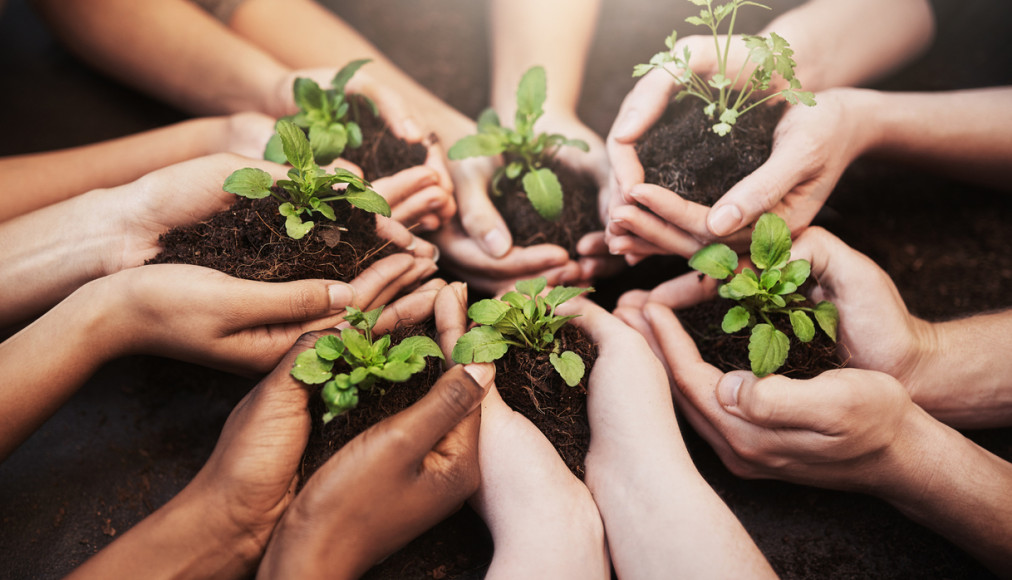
(393, 481)
(203, 316)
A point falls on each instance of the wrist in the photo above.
(297, 550)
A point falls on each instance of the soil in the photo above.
(579, 211)
(382, 153)
(683, 154)
(529, 384)
(729, 352)
(248, 241)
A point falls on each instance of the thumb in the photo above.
(773, 402)
(454, 396)
(275, 303)
(479, 218)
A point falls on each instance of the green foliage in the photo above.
(771, 56)
(771, 291)
(326, 115)
(530, 151)
(525, 319)
(308, 189)
(369, 361)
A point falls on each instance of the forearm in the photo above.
(852, 43)
(104, 164)
(963, 133)
(51, 252)
(947, 483)
(170, 49)
(556, 35)
(962, 375)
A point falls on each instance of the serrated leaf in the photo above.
(295, 145)
(767, 349)
(329, 347)
(735, 319)
(771, 242)
(719, 81)
(344, 75)
(532, 287)
(721, 129)
(531, 94)
(828, 318)
(569, 365)
(642, 69)
(328, 143)
(561, 294)
(544, 192)
(487, 311)
(480, 145)
(308, 94)
(311, 369)
(368, 200)
(803, 326)
(480, 344)
(249, 182)
(273, 151)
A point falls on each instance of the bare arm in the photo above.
(173, 50)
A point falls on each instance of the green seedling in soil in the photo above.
(370, 361)
(524, 319)
(326, 115)
(771, 56)
(309, 188)
(528, 152)
(773, 291)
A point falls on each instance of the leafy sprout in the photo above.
(370, 361)
(523, 319)
(771, 55)
(326, 115)
(308, 189)
(773, 291)
(528, 152)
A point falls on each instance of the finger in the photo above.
(392, 107)
(399, 236)
(425, 202)
(341, 163)
(454, 396)
(401, 186)
(834, 263)
(634, 299)
(465, 253)
(250, 304)
(600, 267)
(684, 215)
(376, 278)
(479, 218)
(421, 269)
(451, 317)
(627, 170)
(412, 308)
(654, 230)
(435, 159)
(643, 106)
(685, 291)
(778, 402)
(630, 245)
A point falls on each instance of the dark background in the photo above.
(138, 430)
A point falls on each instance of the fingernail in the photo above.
(727, 390)
(437, 203)
(725, 220)
(482, 373)
(341, 295)
(435, 254)
(496, 244)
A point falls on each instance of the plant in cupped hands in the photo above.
(526, 152)
(309, 188)
(328, 116)
(369, 361)
(524, 319)
(773, 291)
(771, 56)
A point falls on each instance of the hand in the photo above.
(204, 316)
(247, 134)
(394, 481)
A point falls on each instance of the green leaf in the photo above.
(324, 209)
(358, 375)
(642, 69)
(796, 272)
(735, 319)
(716, 261)
(295, 145)
(488, 121)
(249, 182)
(515, 299)
(769, 279)
(569, 365)
(356, 344)
(487, 311)
(771, 242)
(480, 344)
(544, 192)
(329, 347)
(767, 349)
(561, 294)
(328, 143)
(743, 285)
(308, 94)
(513, 169)
(420, 346)
(579, 144)
(719, 81)
(395, 371)
(721, 129)
(363, 320)
(354, 134)
(296, 228)
(532, 287)
(347, 71)
(803, 327)
(273, 151)
(311, 369)
(531, 94)
(480, 145)
(828, 318)
(367, 200)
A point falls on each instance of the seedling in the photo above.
(310, 188)
(527, 152)
(772, 291)
(370, 361)
(324, 115)
(524, 319)
(771, 55)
